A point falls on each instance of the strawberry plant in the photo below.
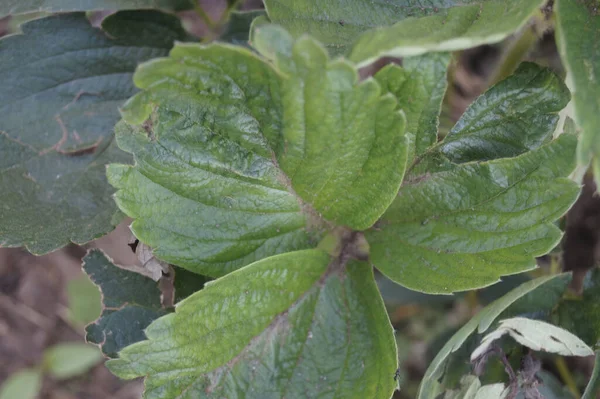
(280, 181)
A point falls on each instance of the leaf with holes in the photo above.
(238, 158)
(465, 227)
(539, 295)
(401, 27)
(295, 325)
(57, 111)
(130, 303)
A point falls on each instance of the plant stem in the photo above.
(566, 376)
(204, 16)
(515, 53)
(591, 391)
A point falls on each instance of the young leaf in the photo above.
(130, 303)
(419, 27)
(517, 115)
(26, 6)
(57, 110)
(537, 295)
(537, 335)
(293, 325)
(577, 33)
(24, 384)
(69, 360)
(419, 86)
(465, 227)
(85, 301)
(238, 158)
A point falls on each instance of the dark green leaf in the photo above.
(517, 115)
(537, 295)
(185, 283)
(582, 315)
(593, 387)
(403, 27)
(419, 86)
(464, 228)
(295, 325)
(62, 83)
(52, 6)
(238, 158)
(130, 303)
(578, 34)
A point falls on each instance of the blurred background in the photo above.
(45, 302)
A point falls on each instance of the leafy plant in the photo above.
(268, 161)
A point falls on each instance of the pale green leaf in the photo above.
(58, 105)
(294, 325)
(491, 391)
(69, 360)
(419, 86)
(517, 115)
(28, 6)
(402, 27)
(454, 26)
(578, 34)
(537, 335)
(465, 227)
(130, 303)
(238, 158)
(84, 299)
(24, 384)
(537, 295)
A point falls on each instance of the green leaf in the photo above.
(293, 325)
(52, 6)
(465, 227)
(533, 296)
(69, 360)
(593, 387)
(58, 106)
(581, 316)
(419, 86)
(238, 158)
(517, 115)
(238, 28)
(24, 384)
(131, 302)
(85, 301)
(403, 27)
(577, 33)
(456, 26)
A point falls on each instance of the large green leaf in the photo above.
(537, 295)
(238, 158)
(130, 303)
(578, 34)
(296, 325)
(403, 27)
(465, 227)
(515, 116)
(26, 6)
(58, 105)
(419, 86)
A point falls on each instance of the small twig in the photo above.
(566, 376)
(26, 312)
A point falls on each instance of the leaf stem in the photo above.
(591, 391)
(204, 16)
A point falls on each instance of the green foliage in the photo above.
(24, 384)
(235, 164)
(426, 239)
(28, 6)
(130, 303)
(58, 108)
(279, 323)
(578, 32)
(288, 175)
(85, 301)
